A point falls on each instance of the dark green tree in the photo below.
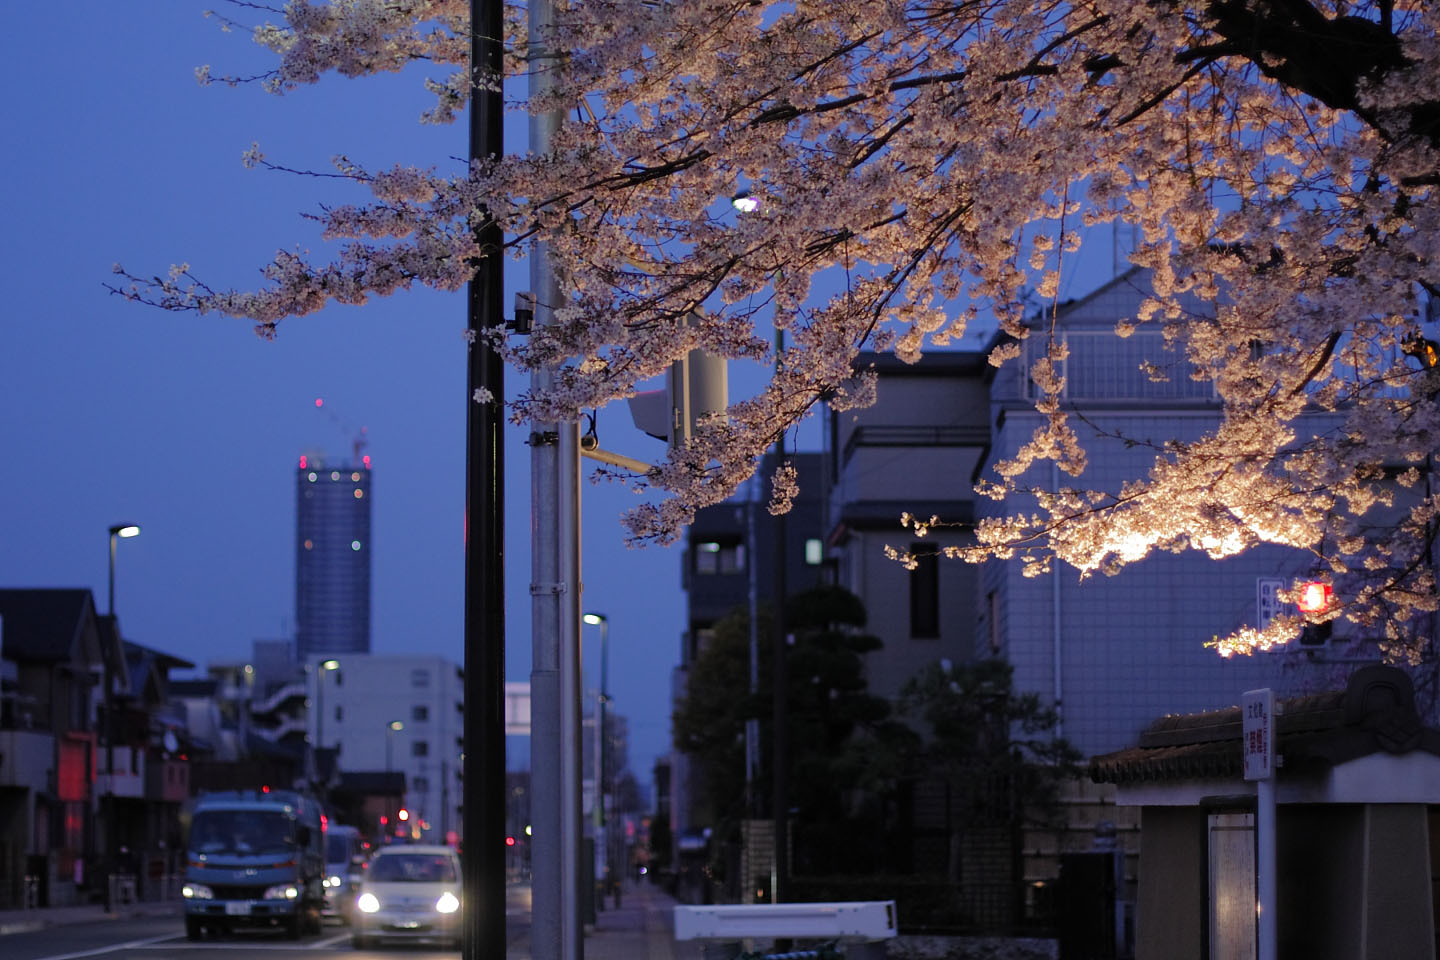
(994, 748)
(833, 722)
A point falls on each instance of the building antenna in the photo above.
(359, 439)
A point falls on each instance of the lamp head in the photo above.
(396, 725)
(594, 618)
(329, 664)
(125, 530)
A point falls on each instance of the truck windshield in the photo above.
(241, 831)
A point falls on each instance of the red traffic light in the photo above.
(1313, 596)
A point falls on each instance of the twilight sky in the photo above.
(191, 426)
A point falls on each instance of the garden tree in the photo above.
(995, 749)
(911, 166)
(842, 743)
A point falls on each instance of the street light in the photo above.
(118, 532)
(603, 622)
(394, 727)
(321, 668)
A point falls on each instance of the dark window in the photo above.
(924, 592)
(419, 712)
(339, 714)
(719, 556)
(421, 785)
(419, 749)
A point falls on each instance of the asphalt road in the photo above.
(163, 938)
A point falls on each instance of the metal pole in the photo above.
(110, 609)
(752, 725)
(1265, 862)
(779, 760)
(319, 707)
(483, 819)
(555, 929)
(571, 719)
(602, 834)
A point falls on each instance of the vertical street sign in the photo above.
(1268, 604)
(1257, 730)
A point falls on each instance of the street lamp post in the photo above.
(321, 668)
(118, 531)
(603, 622)
(394, 727)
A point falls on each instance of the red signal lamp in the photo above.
(1313, 596)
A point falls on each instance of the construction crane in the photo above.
(359, 438)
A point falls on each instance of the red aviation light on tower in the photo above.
(366, 460)
(1312, 596)
(319, 402)
(304, 461)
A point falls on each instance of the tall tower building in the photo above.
(332, 557)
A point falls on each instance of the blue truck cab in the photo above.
(256, 859)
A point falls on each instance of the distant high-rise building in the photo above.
(332, 558)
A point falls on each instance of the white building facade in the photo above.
(401, 714)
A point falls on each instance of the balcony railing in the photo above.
(915, 436)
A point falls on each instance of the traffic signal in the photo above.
(1313, 596)
(695, 387)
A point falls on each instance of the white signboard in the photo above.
(1257, 711)
(1268, 604)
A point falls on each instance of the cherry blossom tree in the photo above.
(909, 166)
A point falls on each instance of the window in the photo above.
(924, 592)
(716, 556)
(339, 713)
(420, 785)
(814, 552)
(420, 678)
(420, 712)
(419, 748)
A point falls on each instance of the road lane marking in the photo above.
(110, 948)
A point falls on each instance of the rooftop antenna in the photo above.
(359, 438)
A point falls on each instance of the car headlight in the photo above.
(282, 891)
(448, 902)
(197, 891)
(367, 903)
(332, 881)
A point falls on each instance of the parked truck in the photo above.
(254, 859)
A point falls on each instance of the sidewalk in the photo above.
(642, 928)
(28, 921)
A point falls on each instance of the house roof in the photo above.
(43, 624)
(1375, 713)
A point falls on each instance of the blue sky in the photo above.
(191, 426)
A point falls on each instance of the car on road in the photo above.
(410, 892)
(345, 857)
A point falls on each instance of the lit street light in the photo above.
(321, 668)
(390, 731)
(603, 622)
(120, 531)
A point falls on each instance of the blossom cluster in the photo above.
(910, 167)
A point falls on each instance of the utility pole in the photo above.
(556, 931)
(780, 801)
(483, 817)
